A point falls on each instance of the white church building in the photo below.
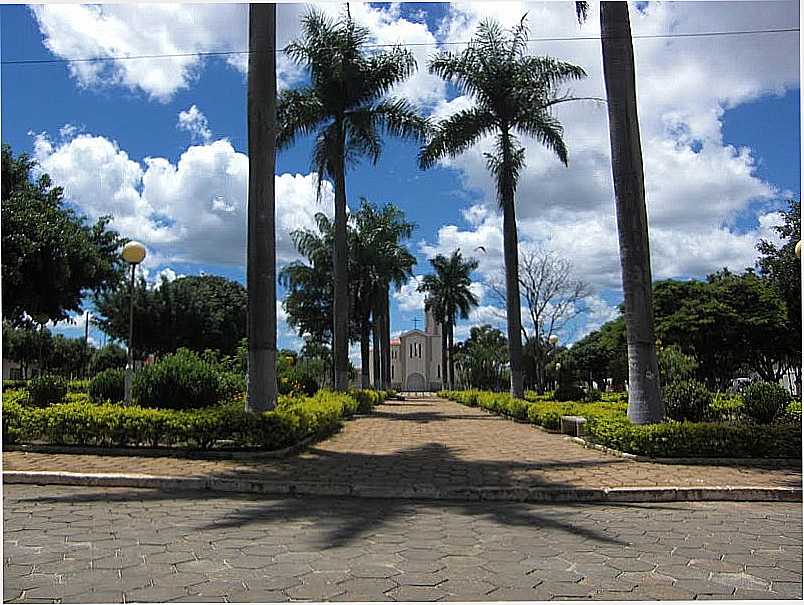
(416, 358)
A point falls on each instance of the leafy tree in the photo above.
(513, 94)
(68, 356)
(482, 358)
(344, 107)
(675, 366)
(51, 256)
(26, 345)
(728, 322)
(111, 356)
(194, 312)
(450, 297)
(780, 265)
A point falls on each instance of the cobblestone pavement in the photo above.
(432, 442)
(92, 545)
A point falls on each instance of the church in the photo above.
(416, 358)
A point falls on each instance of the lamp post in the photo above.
(133, 254)
(41, 319)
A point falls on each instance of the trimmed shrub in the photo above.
(232, 385)
(568, 393)
(108, 385)
(83, 423)
(297, 380)
(592, 395)
(687, 400)
(764, 402)
(699, 440)
(78, 386)
(726, 407)
(45, 390)
(14, 384)
(179, 381)
(367, 399)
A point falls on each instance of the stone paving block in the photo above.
(181, 578)
(201, 566)
(110, 596)
(774, 573)
(154, 594)
(373, 571)
(790, 590)
(417, 593)
(701, 587)
(420, 579)
(273, 583)
(231, 590)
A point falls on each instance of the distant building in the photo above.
(416, 358)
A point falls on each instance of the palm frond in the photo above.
(456, 134)
(399, 118)
(547, 130)
(298, 113)
(581, 11)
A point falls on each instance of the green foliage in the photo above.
(298, 380)
(726, 407)
(196, 312)
(14, 384)
(78, 386)
(608, 425)
(675, 366)
(482, 358)
(779, 264)
(179, 381)
(82, 423)
(687, 400)
(764, 402)
(46, 389)
(592, 395)
(569, 392)
(108, 385)
(51, 257)
(698, 440)
(109, 356)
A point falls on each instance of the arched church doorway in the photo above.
(416, 382)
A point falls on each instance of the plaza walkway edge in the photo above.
(421, 492)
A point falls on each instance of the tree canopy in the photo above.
(51, 257)
(195, 312)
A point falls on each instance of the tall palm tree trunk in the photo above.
(376, 356)
(451, 356)
(644, 402)
(512, 304)
(365, 360)
(340, 259)
(386, 338)
(261, 271)
(444, 383)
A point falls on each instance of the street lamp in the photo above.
(798, 249)
(133, 254)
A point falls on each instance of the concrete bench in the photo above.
(573, 425)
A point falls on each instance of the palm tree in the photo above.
(644, 402)
(345, 107)
(261, 208)
(450, 297)
(513, 94)
(379, 260)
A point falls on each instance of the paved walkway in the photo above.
(432, 442)
(91, 545)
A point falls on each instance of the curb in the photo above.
(769, 462)
(422, 492)
(165, 452)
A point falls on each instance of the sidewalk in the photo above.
(429, 446)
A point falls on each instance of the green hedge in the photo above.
(84, 423)
(697, 439)
(608, 425)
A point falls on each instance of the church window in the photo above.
(439, 370)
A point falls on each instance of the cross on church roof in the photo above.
(415, 323)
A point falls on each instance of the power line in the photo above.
(406, 44)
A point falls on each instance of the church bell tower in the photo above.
(431, 327)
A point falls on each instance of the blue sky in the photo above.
(719, 158)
